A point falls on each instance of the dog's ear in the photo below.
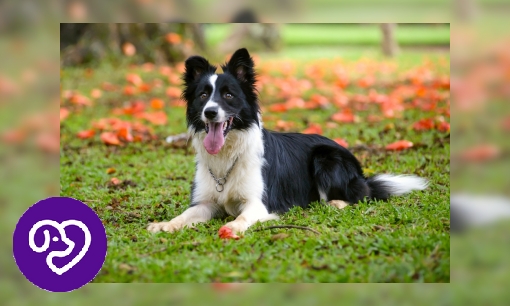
(241, 66)
(196, 66)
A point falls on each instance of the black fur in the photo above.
(297, 165)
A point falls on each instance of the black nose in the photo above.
(211, 112)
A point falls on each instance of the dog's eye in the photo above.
(228, 96)
(203, 96)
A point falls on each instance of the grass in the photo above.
(403, 240)
(345, 35)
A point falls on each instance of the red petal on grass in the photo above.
(128, 49)
(443, 127)
(157, 103)
(64, 113)
(106, 86)
(506, 124)
(314, 128)
(173, 38)
(14, 136)
(158, 118)
(295, 103)
(134, 79)
(319, 100)
(80, 100)
(424, 124)
(226, 233)
(481, 153)
(374, 118)
(96, 93)
(174, 79)
(129, 90)
(173, 92)
(345, 116)
(340, 99)
(284, 125)
(144, 87)
(135, 108)
(86, 134)
(224, 286)
(48, 142)
(399, 145)
(178, 103)
(365, 82)
(341, 142)
(125, 133)
(278, 108)
(114, 181)
(110, 138)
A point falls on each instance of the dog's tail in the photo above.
(382, 186)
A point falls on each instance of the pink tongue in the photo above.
(214, 140)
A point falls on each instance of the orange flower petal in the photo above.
(226, 233)
(313, 129)
(399, 145)
(157, 103)
(341, 142)
(86, 134)
(64, 113)
(110, 138)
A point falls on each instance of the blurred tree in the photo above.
(254, 36)
(158, 43)
(389, 42)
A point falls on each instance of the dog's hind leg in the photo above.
(193, 215)
(338, 204)
(338, 176)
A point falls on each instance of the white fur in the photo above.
(323, 195)
(244, 187)
(211, 103)
(212, 80)
(244, 184)
(402, 184)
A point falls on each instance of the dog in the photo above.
(254, 174)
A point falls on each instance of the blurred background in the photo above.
(480, 68)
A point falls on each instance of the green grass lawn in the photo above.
(345, 34)
(403, 240)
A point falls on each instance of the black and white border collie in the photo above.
(253, 174)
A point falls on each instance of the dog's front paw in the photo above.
(233, 229)
(171, 226)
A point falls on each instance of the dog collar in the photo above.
(222, 181)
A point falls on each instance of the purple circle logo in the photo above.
(59, 244)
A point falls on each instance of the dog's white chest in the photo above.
(243, 183)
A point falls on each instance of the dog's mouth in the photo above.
(215, 135)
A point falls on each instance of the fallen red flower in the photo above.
(481, 153)
(157, 103)
(424, 124)
(314, 128)
(399, 145)
(86, 134)
(110, 138)
(341, 142)
(64, 113)
(226, 233)
(345, 116)
(443, 127)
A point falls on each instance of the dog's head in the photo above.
(219, 103)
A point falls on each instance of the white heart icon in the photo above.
(70, 243)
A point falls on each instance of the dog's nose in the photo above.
(211, 112)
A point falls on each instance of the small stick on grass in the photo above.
(287, 226)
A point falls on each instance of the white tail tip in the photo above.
(402, 184)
